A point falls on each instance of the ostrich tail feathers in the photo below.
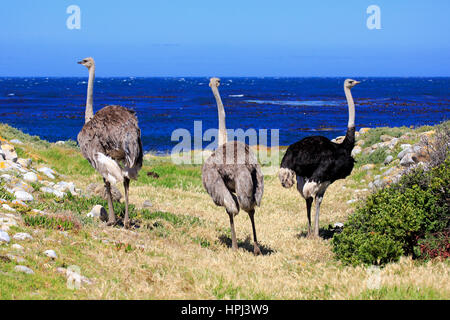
(131, 173)
(109, 168)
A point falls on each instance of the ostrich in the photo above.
(111, 141)
(232, 175)
(317, 162)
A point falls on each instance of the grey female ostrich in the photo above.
(317, 162)
(111, 141)
(232, 175)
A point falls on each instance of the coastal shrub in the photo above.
(58, 222)
(438, 146)
(375, 157)
(393, 220)
(373, 135)
(435, 245)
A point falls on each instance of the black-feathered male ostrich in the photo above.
(317, 162)
(111, 141)
(232, 175)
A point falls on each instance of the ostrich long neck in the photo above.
(349, 140)
(89, 114)
(221, 112)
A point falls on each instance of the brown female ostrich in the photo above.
(232, 175)
(111, 141)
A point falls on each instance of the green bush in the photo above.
(58, 222)
(394, 219)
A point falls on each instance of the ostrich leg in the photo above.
(126, 220)
(233, 232)
(256, 249)
(111, 215)
(309, 202)
(319, 199)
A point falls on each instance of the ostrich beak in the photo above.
(357, 82)
(80, 62)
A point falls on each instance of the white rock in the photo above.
(17, 259)
(7, 207)
(23, 196)
(98, 212)
(388, 159)
(6, 177)
(48, 172)
(25, 163)
(408, 159)
(22, 236)
(356, 150)
(16, 141)
(369, 166)
(59, 143)
(147, 204)
(405, 146)
(351, 201)
(4, 237)
(24, 269)
(30, 177)
(403, 153)
(17, 246)
(50, 254)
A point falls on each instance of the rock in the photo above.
(147, 204)
(22, 236)
(391, 145)
(57, 193)
(388, 159)
(338, 225)
(7, 207)
(25, 163)
(338, 139)
(23, 269)
(65, 186)
(9, 152)
(356, 150)
(23, 196)
(60, 143)
(389, 172)
(6, 177)
(17, 247)
(50, 254)
(367, 167)
(360, 143)
(363, 130)
(98, 212)
(16, 141)
(351, 201)
(2, 155)
(16, 259)
(30, 177)
(428, 133)
(4, 237)
(385, 138)
(48, 172)
(99, 190)
(401, 154)
(408, 159)
(405, 146)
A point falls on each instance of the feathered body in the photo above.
(111, 142)
(233, 178)
(232, 175)
(317, 160)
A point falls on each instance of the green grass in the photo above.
(186, 177)
(376, 157)
(373, 135)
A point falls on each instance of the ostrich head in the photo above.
(350, 83)
(214, 82)
(287, 177)
(87, 62)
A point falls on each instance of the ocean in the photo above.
(53, 108)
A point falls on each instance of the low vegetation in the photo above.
(179, 248)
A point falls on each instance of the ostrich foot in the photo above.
(256, 250)
(312, 235)
(111, 222)
(127, 224)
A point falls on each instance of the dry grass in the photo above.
(192, 260)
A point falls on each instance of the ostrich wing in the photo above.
(258, 181)
(216, 188)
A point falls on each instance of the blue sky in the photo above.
(226, 38)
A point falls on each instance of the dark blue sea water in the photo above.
(53, 108)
